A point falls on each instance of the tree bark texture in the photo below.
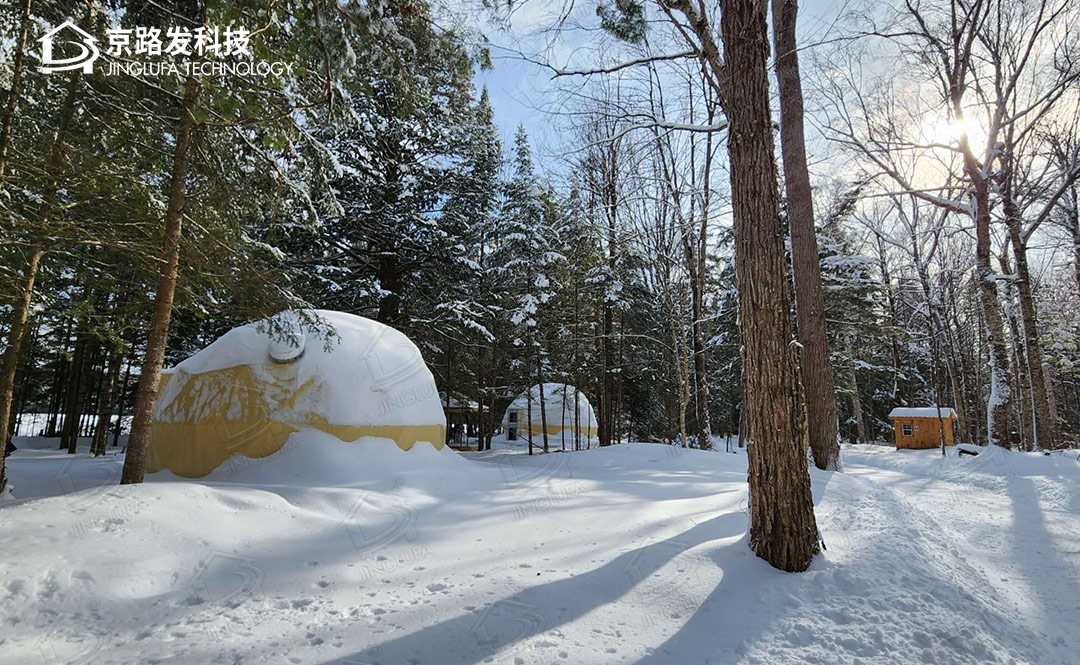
(1045, 429)
(783, 530)
(817, 374)
(149, 380)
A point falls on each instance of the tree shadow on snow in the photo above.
(505, 624)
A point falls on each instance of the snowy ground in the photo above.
(333, 554)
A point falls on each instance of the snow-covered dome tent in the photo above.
(568, 411)
(257, 384)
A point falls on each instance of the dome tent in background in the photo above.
(257, 384)
(560, 400)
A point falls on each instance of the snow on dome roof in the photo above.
(343, 374)
(362, 372)
(922, 412)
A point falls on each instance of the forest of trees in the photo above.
(913, 221)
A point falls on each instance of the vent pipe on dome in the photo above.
(287, 345)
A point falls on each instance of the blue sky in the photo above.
(519, 89)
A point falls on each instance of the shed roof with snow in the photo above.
(922, 412)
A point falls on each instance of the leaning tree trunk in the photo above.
(817, 373)
(783, 530)
(139, 440)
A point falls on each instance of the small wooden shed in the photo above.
(918, 427)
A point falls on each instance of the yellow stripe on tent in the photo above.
(215, 415)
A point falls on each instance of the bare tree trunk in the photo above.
(607, 390)
(701, 405)
(56, 391)
(999, 403)
(543, 405)
(13, 103)
(149, 380)
(853, 386)
(120, 401)
(1048, 379)
(11, 353)
(1072, 214)
(106, 404)
(562, 418)
(783, 530)
(70, 436)
(809, 300)
(1045, 429)
(1022, 395)
(528, 417)
(577, 419)
(890, 296)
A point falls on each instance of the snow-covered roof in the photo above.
(922, 412)
(352, 371)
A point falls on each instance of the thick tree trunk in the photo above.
(817, 372)
(1000, 401)
(139, 441)
(13, 100)
(1021, 386)
(783, 530)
